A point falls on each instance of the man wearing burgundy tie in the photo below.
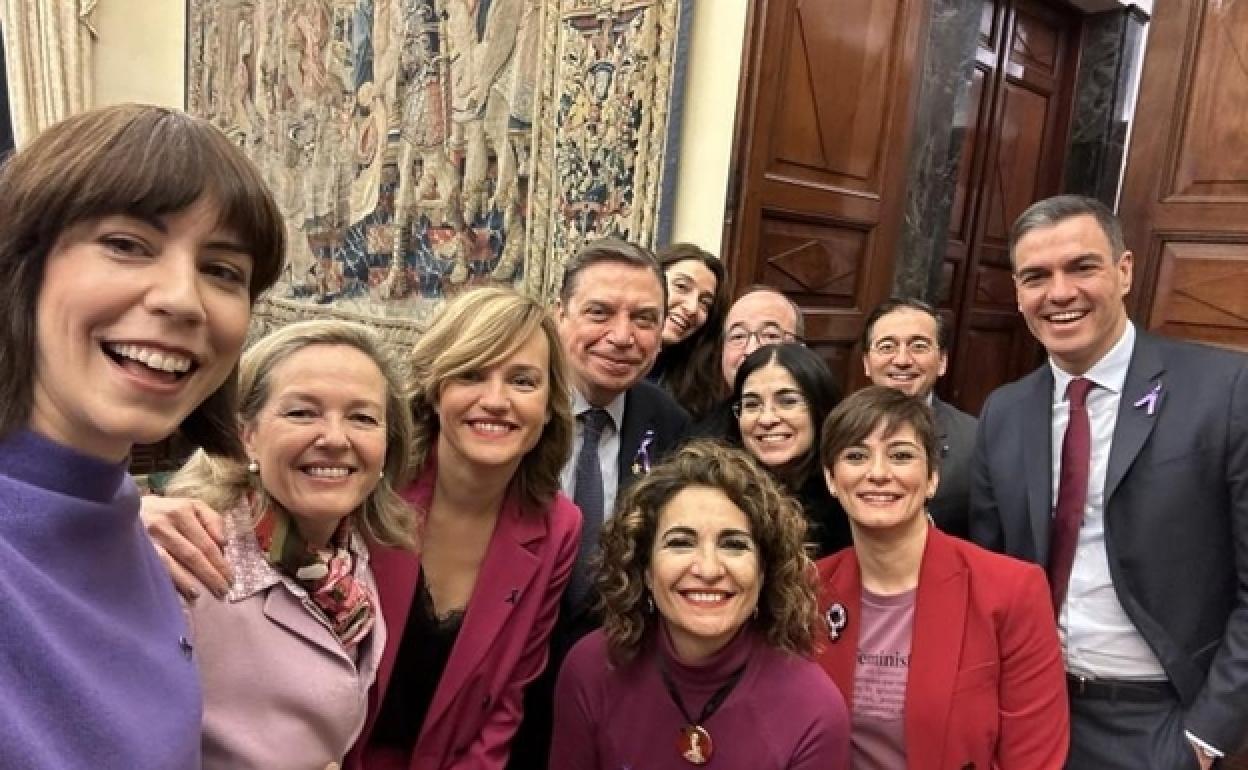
(1121, 465)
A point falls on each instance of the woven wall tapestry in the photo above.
(418, 147)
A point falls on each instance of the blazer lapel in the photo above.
(939, 623)
(509, 566)
(1135, 423)
(1037, 438)
(286, 610)
(397, 572)
(635, 420)
(843, 587)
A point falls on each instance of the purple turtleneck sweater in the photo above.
(784, 714)
(95, 671)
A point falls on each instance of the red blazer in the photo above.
(502, 644)
(986, 687)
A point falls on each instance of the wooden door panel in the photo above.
(1203, 292)
(835, 60)
(826, 106)
(1212, 151)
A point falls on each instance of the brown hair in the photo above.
(222, 481)
(786, 605)
(138, 160)
(862, 412)
(478, 329)
(691, 367)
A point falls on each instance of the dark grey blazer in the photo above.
(1176, 512)
(950, 506)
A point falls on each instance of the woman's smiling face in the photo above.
(705, 573)
(883, 481)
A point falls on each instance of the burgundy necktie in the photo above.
(1072, 491)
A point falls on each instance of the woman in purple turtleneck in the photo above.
(133, 241)
(709, 618)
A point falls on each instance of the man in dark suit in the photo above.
(905, 347)
(610, 315)
(1121, 465)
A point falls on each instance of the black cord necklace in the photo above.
(694, 743)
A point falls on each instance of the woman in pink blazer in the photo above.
(946, 653)
(471, 611)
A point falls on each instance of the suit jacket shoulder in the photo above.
(951, 504)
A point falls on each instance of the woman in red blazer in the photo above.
(471, 610)
(946, 653)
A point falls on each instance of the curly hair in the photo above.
(786, 614)
(221, 481)
(691, 367)
(138, 160)
(477, 330)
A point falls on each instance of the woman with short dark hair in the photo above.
(133, 242)
(947, 653)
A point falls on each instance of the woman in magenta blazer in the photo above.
(946, 653)
(471, 611)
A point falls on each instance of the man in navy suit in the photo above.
(905, 347)
(1121, 465)
(610, 315)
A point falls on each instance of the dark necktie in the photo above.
(1072, 491)
(588, 495)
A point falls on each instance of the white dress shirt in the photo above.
(1098, 638)
(608, 450)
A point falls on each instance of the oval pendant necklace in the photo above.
(694, 742)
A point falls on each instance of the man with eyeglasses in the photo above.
(761, 316)
(904, 348)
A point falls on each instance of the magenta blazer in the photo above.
(503, 643)
(987, 687)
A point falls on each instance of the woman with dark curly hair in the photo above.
(781, 396)
(697, 300)
(708, 619)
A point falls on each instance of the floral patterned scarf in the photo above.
(327, 574)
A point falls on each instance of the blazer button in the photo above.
(485, 702)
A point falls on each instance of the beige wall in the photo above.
(140, 53)
(140, 57)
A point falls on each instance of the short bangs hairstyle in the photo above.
(813, 379)
(221, 482)
(475, 331)
(787, 611)
(136, 160)
(861, 413)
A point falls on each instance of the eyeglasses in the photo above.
(783, 403)
(889, 347)
(767, 334)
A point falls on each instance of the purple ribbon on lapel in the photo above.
(641, 460)
(1150, 399)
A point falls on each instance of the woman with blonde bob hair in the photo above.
(497, 539)
(709, 617)
(133, 242)
(327, 432)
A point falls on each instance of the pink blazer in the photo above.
(502, 644)
(986, 688)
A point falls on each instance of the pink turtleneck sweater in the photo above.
(784, 713)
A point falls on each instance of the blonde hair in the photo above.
(787, 609)
(222, 481)
(475, 331)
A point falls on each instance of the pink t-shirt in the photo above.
(878, 733)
